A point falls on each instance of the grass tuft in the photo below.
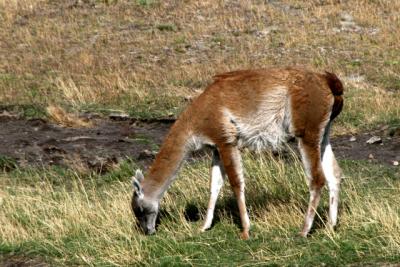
(61, 117)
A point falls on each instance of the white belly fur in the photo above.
(267, 128)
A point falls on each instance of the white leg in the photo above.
(332, 175)
(217, 180)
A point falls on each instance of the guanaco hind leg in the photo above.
(217, 180)
(310, 153)
(333, 176)
(232, 162)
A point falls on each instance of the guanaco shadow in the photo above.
(227, 208)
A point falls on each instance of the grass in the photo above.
(147, 57)
(67, 218)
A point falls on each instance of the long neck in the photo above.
(167, 162)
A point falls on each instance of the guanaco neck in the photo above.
(167, 162)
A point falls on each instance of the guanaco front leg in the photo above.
(232, 162)
(217, 180)
(310, 152)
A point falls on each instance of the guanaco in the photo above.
(258, 109)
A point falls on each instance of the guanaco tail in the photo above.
(258, 109)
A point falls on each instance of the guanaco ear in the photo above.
(136, 180)
(139, 175)
(137, 188)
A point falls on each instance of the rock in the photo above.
(349, 26)
(395, 163)
(373, 31)
(355, 78)
(371, 156)
(353, 139)
(266, 31)
(347, 23)
(200, 18)
(119, 116)
(93, 39)
(146, 154)
(374, 140)
(346, 17)
(200, 45)
(6, 116)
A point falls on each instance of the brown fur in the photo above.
(337, 90)
(314, 100)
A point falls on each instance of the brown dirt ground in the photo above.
(21, 261)
(108, 141)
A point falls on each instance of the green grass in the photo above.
(63, 217)
(7, 163)
(367, 108)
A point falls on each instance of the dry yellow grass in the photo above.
(83, 222)
(61, 117)
(106, 54)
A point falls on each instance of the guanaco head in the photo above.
(145, 211)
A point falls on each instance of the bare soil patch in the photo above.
(21, 261)
(108, 141)
(386, 150)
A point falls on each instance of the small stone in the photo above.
(353, 139)
(346, 17)
(347, 23)
(370, 156)
(355, 78)
(395, 163)
(200, 45)
(374, 140)
(201, 18)
(146, 154)
(119, 116)
(272, 29)
(6, 116)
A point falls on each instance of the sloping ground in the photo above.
(108, 141)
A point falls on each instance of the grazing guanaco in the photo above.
(257, 109)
